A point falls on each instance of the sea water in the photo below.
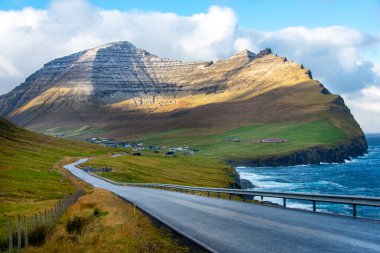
(360, 176)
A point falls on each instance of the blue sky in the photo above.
(268, 15)
(338, 40)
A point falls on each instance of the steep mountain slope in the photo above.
(121, 91)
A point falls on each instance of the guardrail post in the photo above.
(244, 197)
(230, 196)
(261, 199)
(218, 195)
(314, 206)
(284, 202)
(354, 210)
(208, 194)
(193, 192)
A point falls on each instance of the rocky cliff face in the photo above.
(126, 91)
(353, 148)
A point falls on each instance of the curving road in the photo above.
(228, 226)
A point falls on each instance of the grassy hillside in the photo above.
(29, 175)
(152, 167)
(207, 167)
(217, 144)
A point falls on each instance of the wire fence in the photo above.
(32, 231)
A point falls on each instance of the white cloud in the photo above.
(30, 38)
(376, 68)
(243, 43)
(366, 108)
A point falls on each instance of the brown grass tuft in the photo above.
(111, 226)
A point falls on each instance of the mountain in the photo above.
(118, 90)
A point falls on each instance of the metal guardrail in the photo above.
(352, 200)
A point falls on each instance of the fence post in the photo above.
(45, 218)
(36, 220)
(10, 238)
(41, 224)
(18, 233)
(31, 223)
(25, 233)
(61, 208)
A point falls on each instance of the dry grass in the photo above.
(114, 228)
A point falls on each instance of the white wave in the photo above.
(323, 182)
(300, 206)
(262, 181)
(289, 204)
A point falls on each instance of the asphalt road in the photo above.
(231, 226)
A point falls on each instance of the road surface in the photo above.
(230, 226)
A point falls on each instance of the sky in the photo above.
(339, 41)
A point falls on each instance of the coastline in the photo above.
(355, 147)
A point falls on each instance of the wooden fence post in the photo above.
(31, 223)
(48, 216)
(25, 233)
(18, 233)
(41, 224)
(10, 239)
(59, 208)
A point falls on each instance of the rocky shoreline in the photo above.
(355, 147)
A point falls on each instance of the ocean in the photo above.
(360, 176)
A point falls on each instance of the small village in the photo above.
(138, 146)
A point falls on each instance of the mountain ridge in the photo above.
(125, 92)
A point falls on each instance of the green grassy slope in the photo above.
(207, 167)
(298, 136)
(29, 180)
(151, 167)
